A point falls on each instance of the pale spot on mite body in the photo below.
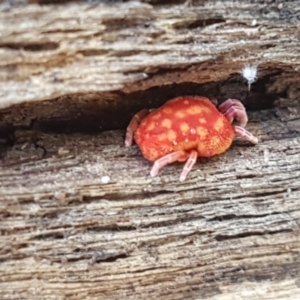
(168, 110)
(202, 132)
(219, 124)
(194, 110)
(186, 102)
(166, 123)
(171, 135)
(202, 120)
(162, 137)
(206, 110)
(156, 116)
(180, 114)
(150, 126)
(201, 148)
(215, 141)
(184, 127)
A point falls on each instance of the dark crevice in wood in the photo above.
(44, 150)
(125, 53)
(271, 193)
(91, 113)
(107, 258)
(33, 47)
(120, 23)
(246, 176)
(7, 140)
(93, 52)
(236, 216)
(49, 236)
(95, 116)
(200, 23)
(110, 228)
(65, 30)
(247, 234)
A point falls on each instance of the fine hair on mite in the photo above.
(250, 74)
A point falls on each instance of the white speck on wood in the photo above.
(105, 179)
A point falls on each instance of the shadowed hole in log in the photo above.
(33, 47)
(94, 116)
(95, 112)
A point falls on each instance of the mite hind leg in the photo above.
(167, 159)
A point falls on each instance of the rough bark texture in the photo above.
(231, 231)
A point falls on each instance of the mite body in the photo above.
(185, 128)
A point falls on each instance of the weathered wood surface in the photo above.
(231, 231)
(47, 52)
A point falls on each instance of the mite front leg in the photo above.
(234, 109)
(246, 135)
(133, 125)
(167, 159)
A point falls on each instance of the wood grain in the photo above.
(71, 77)
(231, 231)
(46, 52)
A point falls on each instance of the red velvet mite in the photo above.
(185, 128)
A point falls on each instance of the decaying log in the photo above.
(80, 216)
(231, 231)
(48, 52)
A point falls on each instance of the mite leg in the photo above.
(167, 159)
(246, 135)
(133, 125)
(234, 109)
(189, 164)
